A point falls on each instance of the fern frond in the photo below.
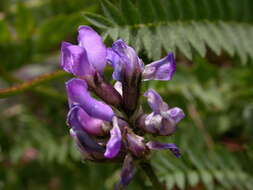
(170, 25)
(210, 171)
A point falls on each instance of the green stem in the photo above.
(28, 85)
(149, 171)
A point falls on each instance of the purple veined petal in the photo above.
(89, 148)
(65, 60)
(124, 57)
(94, 46)
(162, 69)
(112, 57)
(118, 87)
(155, 101)
(175, 114)
(74, 60)
(86, 142)
(114, 60)
(127, 172)
(78, 117)
(157, 124)
(168, 127)
(136, 144)
(153, 145)
(72, 119)
(81, 149)
(145, 124)
(77, 91)
(153, 123)
(114, 144)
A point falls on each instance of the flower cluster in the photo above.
(112, 128)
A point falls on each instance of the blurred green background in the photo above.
(213, 42)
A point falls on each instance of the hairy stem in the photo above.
(149, 171)
(22, 87)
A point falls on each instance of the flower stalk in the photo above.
(30, 85)
(149, 171)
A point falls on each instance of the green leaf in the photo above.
(98, 20)
(193, 178)
(25, 23)
(113, 33)
(112, 12)
(130, 12)
(194, 39)
(207, 179)
(179, 179)
(56, 29)
(146, 10)
(158, 30)
(124, 33)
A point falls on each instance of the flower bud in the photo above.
(89, 148)
(103, 90)
(127, 69)
(135, 144)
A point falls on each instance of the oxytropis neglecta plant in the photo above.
(113, 129)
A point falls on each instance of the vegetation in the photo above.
(213, 41)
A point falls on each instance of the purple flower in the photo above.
(86, 57)
(111, 129)
(125, 61)
(162, 121)
(86, 144)
(87, 61)
(78, 94)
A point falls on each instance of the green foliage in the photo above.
(23, 31)
(212, 40)
(181, 25)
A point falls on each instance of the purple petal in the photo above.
(72, 119)
(155, 101)
(162, 69)
(78, 94)
(152, 123)
(152, 145)
(74, 60)
(78, 117)
(86, 142)
(175, 114)
(94, 46)
(123, 59)
(127, 172)
(156, 124)
(114, 60)
(136, 144)
(114, 144)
